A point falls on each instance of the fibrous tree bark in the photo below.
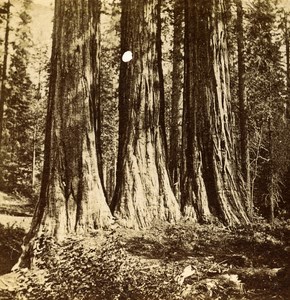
(209, 182)
(72, 199)
(243, 110)
(143, 193)
(194, 201)
(176, 96)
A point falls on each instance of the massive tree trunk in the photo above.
(209, 179)
(143, 194)
(71, 198)
(243, 109)
(194, 202)
(176, 96)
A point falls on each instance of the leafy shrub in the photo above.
(171, 262)
(78, 270)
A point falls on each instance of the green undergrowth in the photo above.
(166, 262)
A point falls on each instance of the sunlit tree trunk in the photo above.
(143, 193)
(209, 178)
(176, 96)
(71, 200)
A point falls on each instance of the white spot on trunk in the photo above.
(127, 56)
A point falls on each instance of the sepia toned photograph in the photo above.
(144, 149)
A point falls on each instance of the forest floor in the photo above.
(185, 261)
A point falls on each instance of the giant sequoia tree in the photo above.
(209, 179)
(143, 193)
(72, 198)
